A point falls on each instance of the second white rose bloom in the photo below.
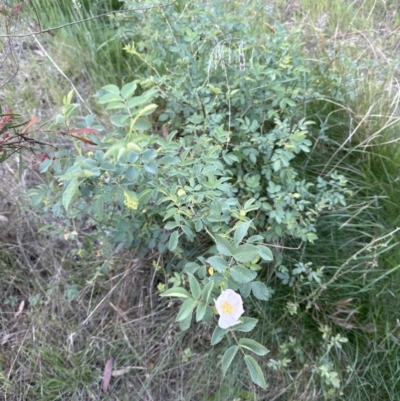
(229, 307)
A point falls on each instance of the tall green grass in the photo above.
(92, 50)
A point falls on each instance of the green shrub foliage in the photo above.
(199, 159)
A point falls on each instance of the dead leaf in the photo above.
(122, 371)
(17, 8)
(39, 53)
(20, 308)
(107, 374)
(82, 131)
(30, 123)
(84, 140)
(3, 218)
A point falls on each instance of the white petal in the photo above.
(226, 321)
(238, 312)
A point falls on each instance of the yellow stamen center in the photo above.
(228, 308)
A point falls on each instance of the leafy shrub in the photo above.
(216, 189)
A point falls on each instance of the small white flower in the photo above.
(230, 307)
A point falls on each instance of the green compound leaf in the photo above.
(178, 292)
(242, 274)
(173, 241)
(246, 253)
(194, 286)
(255, 371)
(253, 346)
(224, 246)
(218, 263)
(218, 335)
(228, 358)
(246, 324)
(186, 309)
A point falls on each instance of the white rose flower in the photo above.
(230, 307)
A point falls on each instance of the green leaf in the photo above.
(218, 335)
(151, 167)
(115, 149)
(110, 98)
(189, 233)
(311, 237)
(228, 357)
(128, 90)
(3, 156)
(255, 238)
(70, 191)
(186, 309)
(241, 232)
(148, 155)
(137, 101)
(120, 120)
(218, 263)
(245, 289)
(253, 346)
(144, 196)
(37, 199)
(45, 165)
(115, 106)
(246, 324)
(200, 311)
(242, 274)
(245, 253)
(255, 371)
(191, 268)
(194, 286)
(173, 241)
(205, 295)
(111, 88)
(171, 225)
(185, 323)
(176, 292)
(141, 124)
(131, 157)
(265, 253)
(261, 291)
(224, 246)
(148, 110)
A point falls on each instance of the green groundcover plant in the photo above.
(199, 163)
